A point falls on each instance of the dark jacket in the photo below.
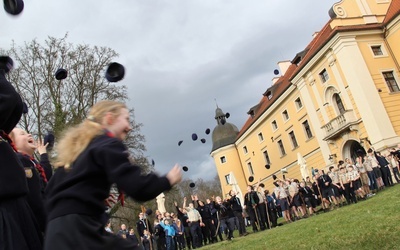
(83, 187)
(236, 205)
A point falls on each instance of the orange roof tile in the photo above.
(393, 11)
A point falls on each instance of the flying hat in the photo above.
(115, 72)
(185, 168)
(267, 166)
(179, 143)
(274, 177)
(227, 115)
(194, 137)
(61, 74)
(207, 131)
(49, 138)
(153, 162)
(251, 179)
(24, 108)
(6, 63)
(13, 7)
(203, 140)
(192, 185)
(149, 211)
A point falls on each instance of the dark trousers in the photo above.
(188, 237)
(195, 231)
(160, 242)
(262, 216)
(239, 222)
(253, 219)
(386, 176)
(349, 193)
(208, 231)
(273, 217)
(229, 225)
(372, 180)
(170, 242)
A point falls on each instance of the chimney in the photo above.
(283, 66)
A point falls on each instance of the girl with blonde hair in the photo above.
(91, 157)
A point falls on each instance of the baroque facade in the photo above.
(337, 97)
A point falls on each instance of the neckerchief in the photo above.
(121, 196)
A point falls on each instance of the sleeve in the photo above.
(45, 163)
(128, 177)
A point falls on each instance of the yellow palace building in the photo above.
(337, 97)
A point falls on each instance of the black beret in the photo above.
(14, 7)
(61, 74)
(115, 72)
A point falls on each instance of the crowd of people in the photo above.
(64, 206)
(203, 222)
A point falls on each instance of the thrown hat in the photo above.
(61, 74)
(152, 162)
(194, 137)
(24, 108)
(115, 72)
(203, 140)
(149, 211)
(6, 63)
(207, 131)
(185, 168)
(274, 177)
(227, 115)
(192, 185)
(179, 143)
(49, 139)
(13, 7)
(251, 179)
(267, 166)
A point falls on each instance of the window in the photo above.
(377, 50)
(223, 159)
(245, 150)
(339, 103)
(228, 179)
(391, 81)
(266, 157)
(274, 125)
(324, 75)
(260, 137)
(269, 95)
(307, 129)
(285, 115)
(298, 103)
(250, 167)
(293, 139)
(281, 148)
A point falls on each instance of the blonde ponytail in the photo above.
(76, 139)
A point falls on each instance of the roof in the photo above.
(393, 11)
(278, 89)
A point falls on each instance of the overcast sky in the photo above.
(179, 56)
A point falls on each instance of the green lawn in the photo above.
(370, 224)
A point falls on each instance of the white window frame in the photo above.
(382, 47)
(296, 103)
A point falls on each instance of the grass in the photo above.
(370, 224)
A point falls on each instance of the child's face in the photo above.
(23, 141)
(119, 125)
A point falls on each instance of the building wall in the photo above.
(355, 74)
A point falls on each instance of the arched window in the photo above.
(339, 103)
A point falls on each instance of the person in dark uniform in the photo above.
(250, 204)
(143, 224)
(184, 219)
(37, 173)
(91, 157)
(208, 228)
(238, 212)
(19, 228)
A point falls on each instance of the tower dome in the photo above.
(224, 133)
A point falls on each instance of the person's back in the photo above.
(91, 157)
